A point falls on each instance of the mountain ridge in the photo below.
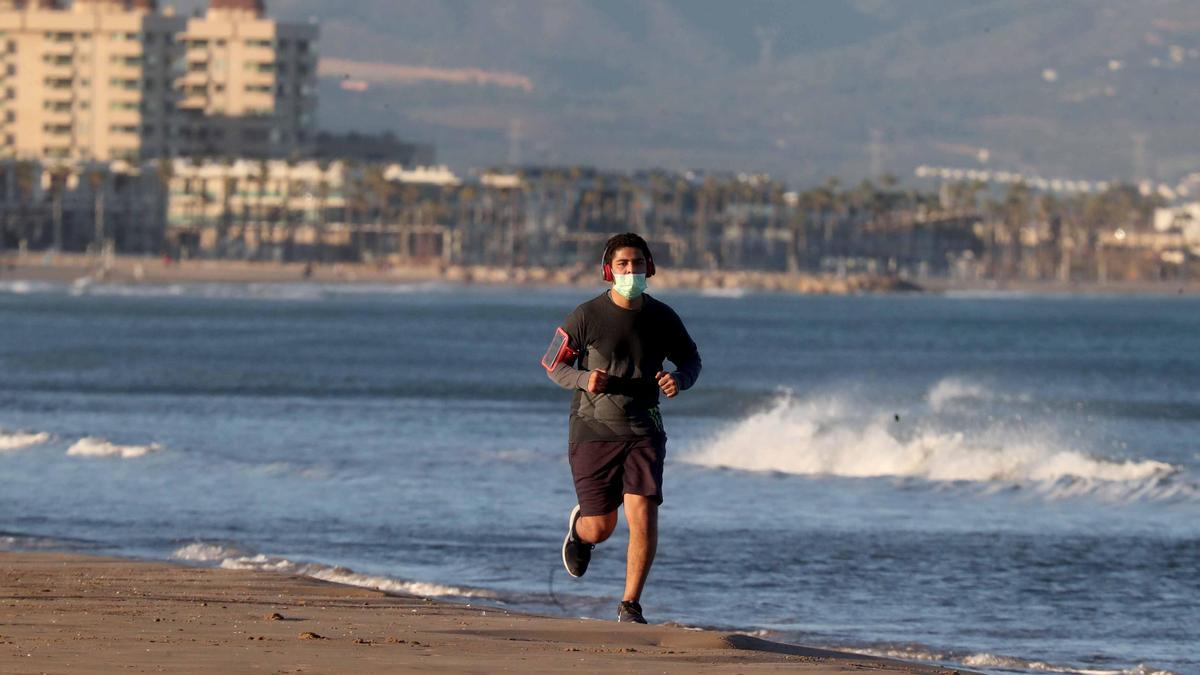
(801, 90)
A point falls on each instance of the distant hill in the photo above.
(799, 89)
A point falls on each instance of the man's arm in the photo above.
(564, 373)
(686, 358)
(569, 377)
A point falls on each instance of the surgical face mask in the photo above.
(630, 286)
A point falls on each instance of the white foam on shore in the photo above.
(231, 558)
(342, 575)
(90, 446)
(13, 542)
(19, 440)
(1000, 661)
(25, 287)
(837, 436)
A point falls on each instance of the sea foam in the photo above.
(90, 446)
(837, 436)
(17, 440)
(1000, 661)
(231, 558)
(201, 552)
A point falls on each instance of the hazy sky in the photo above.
(801, 89)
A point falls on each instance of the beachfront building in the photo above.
(92, 82)
(249, 86)
(310, 210)
(257, 209)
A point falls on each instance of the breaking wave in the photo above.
(1001, 662)
(90, 446)
(17, 440)
(231, 558)
(201, 552)
(835, 436)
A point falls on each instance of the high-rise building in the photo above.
(92, 82)
(250, 86)
(101, 80)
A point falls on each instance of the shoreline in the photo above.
(71, 268)
(66, 611)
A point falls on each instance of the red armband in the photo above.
(559, 350)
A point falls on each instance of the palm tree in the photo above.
(289, 226)
(164, 173)
(263, 175)
(26, 178)
(59, 176)
(380, 188)
(320, 224)
(97, 178)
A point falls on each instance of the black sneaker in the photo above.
(630, 611)
(576, 553)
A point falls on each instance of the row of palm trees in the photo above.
(555, 216)
(64, 216)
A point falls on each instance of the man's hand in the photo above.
(667, 383)
(597, 382)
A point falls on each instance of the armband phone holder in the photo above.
(559, 350)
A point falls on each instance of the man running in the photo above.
(610, 352)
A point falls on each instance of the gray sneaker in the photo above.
(576, 553)
(630, 611)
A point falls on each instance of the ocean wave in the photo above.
(24, 287)
(950, 392)
(1000, 661)
(21, 542)
(18, 440)
(836, 436)
(90, 446)
(343, 575)
(232, 558)
(198, 551)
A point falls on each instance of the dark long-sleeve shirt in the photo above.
(629, 345)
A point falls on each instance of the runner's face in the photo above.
(629, 260)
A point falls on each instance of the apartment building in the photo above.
(250, 84)
(104, 80)
(93, 82)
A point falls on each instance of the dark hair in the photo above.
(626, 240)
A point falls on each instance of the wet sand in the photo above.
(71, 613)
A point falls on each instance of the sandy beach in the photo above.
(68, 268)
(72, 613)
(134, 269)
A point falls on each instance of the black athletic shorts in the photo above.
(605, 471)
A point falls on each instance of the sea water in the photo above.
(1006, 483)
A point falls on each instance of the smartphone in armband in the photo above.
(559, 350)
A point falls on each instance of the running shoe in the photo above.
(576, 553)
(630, 611)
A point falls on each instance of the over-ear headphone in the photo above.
(608, 273)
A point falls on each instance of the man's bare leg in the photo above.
(641, 513)
(595, 529)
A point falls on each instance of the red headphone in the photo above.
(608, 273)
